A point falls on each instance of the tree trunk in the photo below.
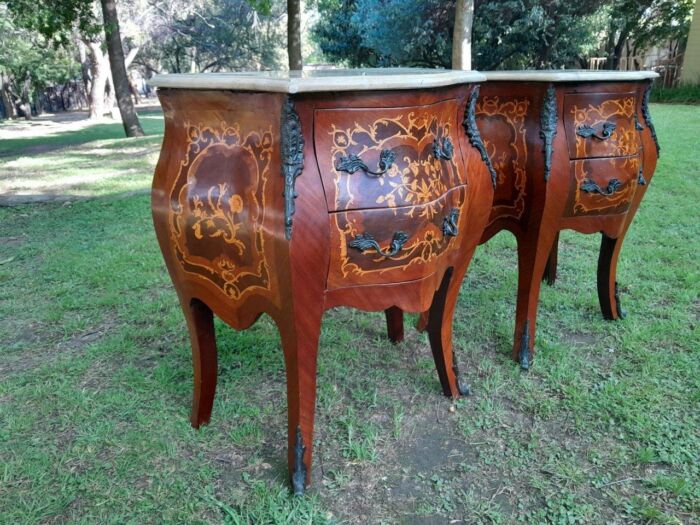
(100, 72)
(127, 63)
(111, 93)
(38, 106)
(25, 108)
(110, 97)
(23, 103)
(84, 65)
(462, 35)
(62, 96)
(130, 120)
(614, 60)
(294, 34)
(6, 98)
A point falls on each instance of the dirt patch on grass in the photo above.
(34, 349)
(12, 242)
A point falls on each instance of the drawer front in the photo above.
(393, 245)
(601, 125)
(603, 186)
(389, 157)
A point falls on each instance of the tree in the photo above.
(386, 32)
(338, 39)
(505, 33)
(57, 21)
(198, 36)
(645, 23)
(539, 34)
(691, 59)
(294, 34)
(99, 74)
(462, 35)
(130, 120)
(28, 64)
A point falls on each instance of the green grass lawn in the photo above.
(95, 380)
(82, 162)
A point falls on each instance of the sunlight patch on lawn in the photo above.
(96, 166)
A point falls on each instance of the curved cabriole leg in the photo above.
(300, 343)
(550, 270)
(608, 293)
(200, 322)
(533, 253)
(439, 329)
(394, 324)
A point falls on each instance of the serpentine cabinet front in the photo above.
(289, 205)
(568, 155)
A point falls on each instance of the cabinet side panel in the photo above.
(217, 199)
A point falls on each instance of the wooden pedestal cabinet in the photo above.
(570, 150)
(290, 194)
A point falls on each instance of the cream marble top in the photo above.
(568, 75)
(320, 80)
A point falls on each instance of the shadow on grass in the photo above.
(10, 201)
(151, 121)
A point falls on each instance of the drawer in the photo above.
(603, 186)
(393, 245)
(388, 157)
(601, 125)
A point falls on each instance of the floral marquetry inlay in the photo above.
(504, 119)
(388, 158)
(623, 172)
(616, 115)
(218, 207)
(416, 176)
(424, 240)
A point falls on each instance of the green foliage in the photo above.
(650, 22)
(385, 32)
(264, 7)
(664, 20)
(684, 94)
(510, 33)
(507, 34)
(338, 38)
(390, 28)
(216, 36)
(55, 20)
(540, 34)
(29, 62)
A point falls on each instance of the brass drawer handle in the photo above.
(591, 187)
(586, 131)
(352, 163)
(365, 241)
(444, 151)
(449, 223)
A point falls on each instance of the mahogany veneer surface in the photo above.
(602, 154)
(266, 202)
(293, 203)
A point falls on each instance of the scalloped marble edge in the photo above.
(320, 80)
(568, 75)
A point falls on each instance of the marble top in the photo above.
(569, 75)
(308, 81)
